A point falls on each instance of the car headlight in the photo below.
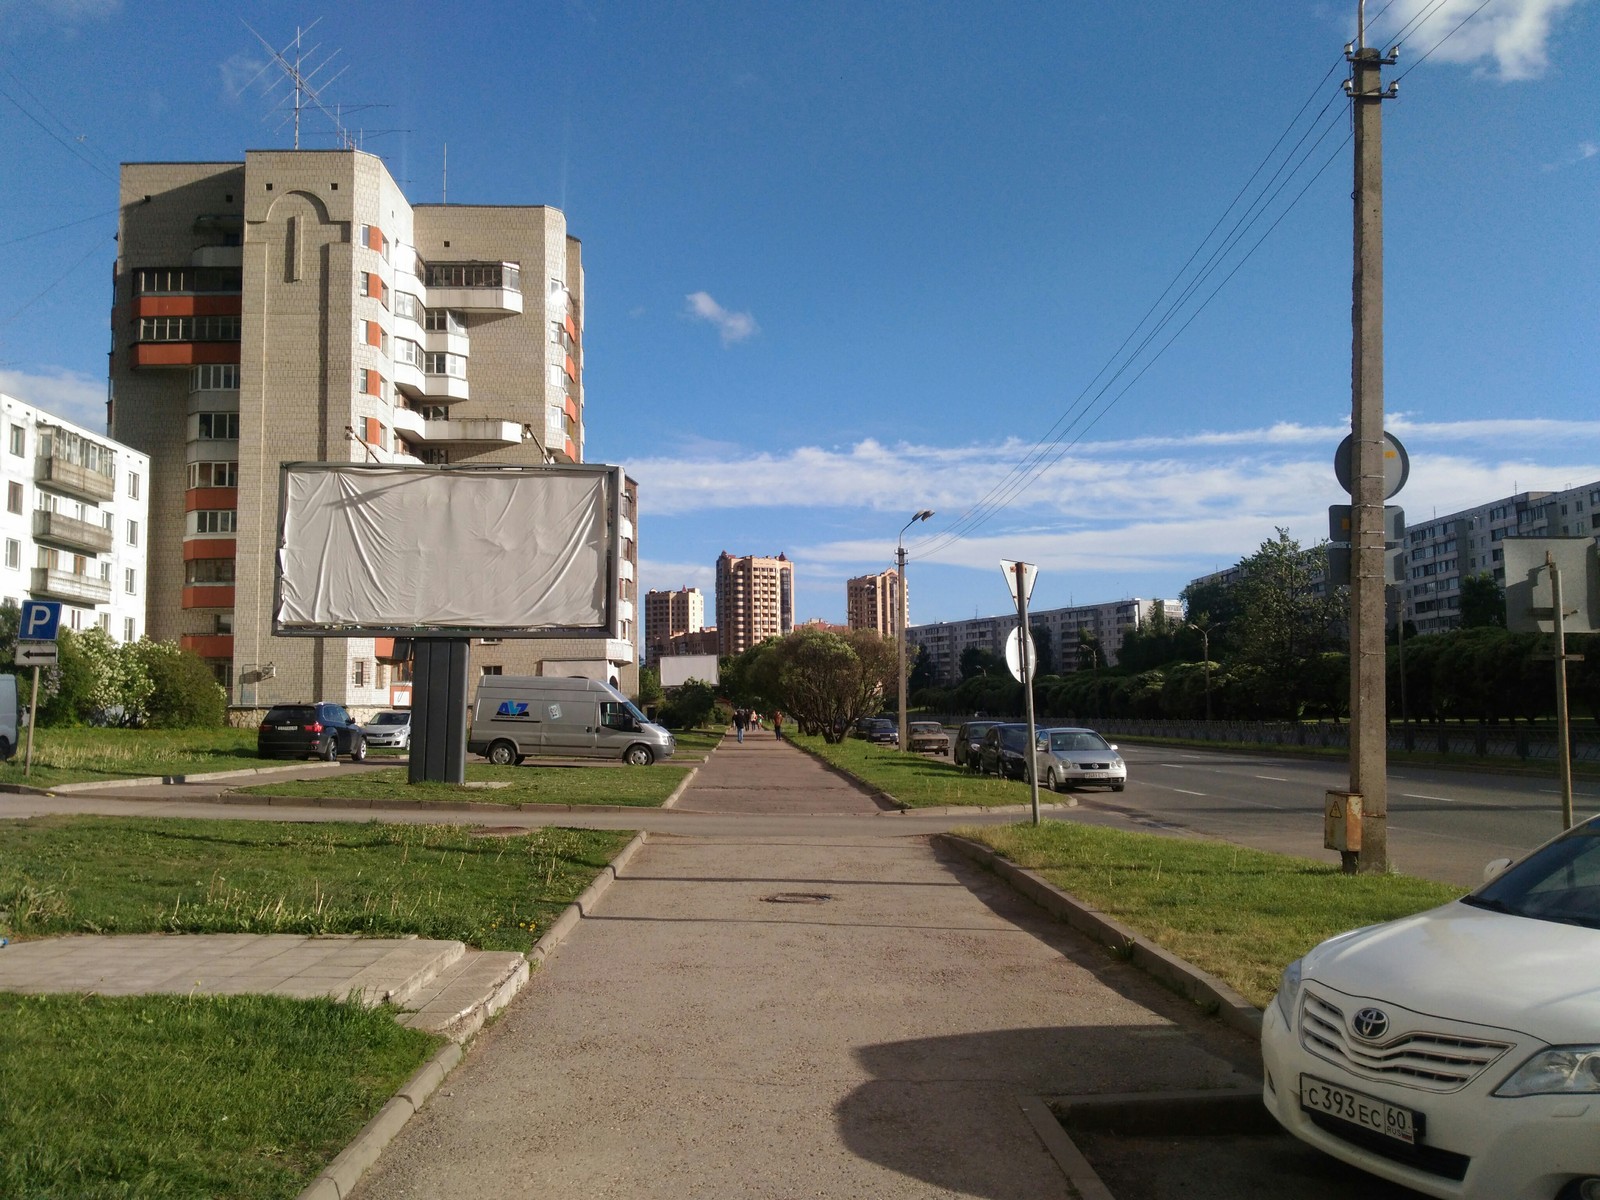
(1289, 992)
(1560, 1070)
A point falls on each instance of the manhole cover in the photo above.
(797, 898)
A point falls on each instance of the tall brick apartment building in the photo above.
(873, 602)
(755, 600)
(295, 306)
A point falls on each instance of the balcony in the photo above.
(478, 430)
(70, 532)
(69, 585)
(62, 475)
(445, 388)
(474, 286)
(208, 645)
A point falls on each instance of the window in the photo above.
(105, 572)
(473, 275)
(127, 629)
(13, 553)
(358, 675)
(208, 570)
(407, 307)
(18, 440)
(407, 351)
(75, 618)
(370, 383)
(491, 670)
(14, 497)
(451, 365)
(219, 426)
(443, 320)
(133, 533)
(216, 520)
(105, 622)
(213, 474)
(222, 623)
(130, 581)
(188, 329)
(374, 286)
(214, 377)
(133, 485)
(168, 280)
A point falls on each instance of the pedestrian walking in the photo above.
(740, 719)
(777, 725)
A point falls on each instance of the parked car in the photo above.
(389, 729)
(1068, 757)
(967, 739)
(1456, 1051)
(882, 730)
(927, 737)
(319, 730)
(1004, 752)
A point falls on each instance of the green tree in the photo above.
(976, 662)
(66, 690)
(1282, 623)
(826, 681)
(688, 706)
(1483, 603)
(1091, 655)
(919, 672)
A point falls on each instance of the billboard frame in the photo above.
(611, 477)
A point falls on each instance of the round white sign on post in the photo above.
(1014, 654)
(1396, 464)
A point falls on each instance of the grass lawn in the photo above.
(1240, 914)
(695, 744)
(114, 875)
(73, 755)
(531, 783)
(918, 780)
(172, 1096)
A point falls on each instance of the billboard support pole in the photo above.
(1563, 734)
(439, 711)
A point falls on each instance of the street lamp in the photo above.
(1205, 648)
(900, 621)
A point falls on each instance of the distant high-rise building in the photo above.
(873, 602)
(755, 601)
(296, 306)
(667, 614)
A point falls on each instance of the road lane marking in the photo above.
(1187, 792)
(1274, 778)
(1414, 796)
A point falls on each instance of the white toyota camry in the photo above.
(1456, 1052)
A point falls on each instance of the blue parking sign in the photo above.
(41, 619)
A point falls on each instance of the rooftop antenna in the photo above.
(301, 71)
(444, 184)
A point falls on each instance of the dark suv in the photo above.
(310, 730)
(965, 744)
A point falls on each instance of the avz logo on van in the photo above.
(512, 708)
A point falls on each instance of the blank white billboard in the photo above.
(400, 551)
(677, 670)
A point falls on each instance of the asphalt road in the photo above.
(1443, 825)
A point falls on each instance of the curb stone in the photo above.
(1205, 990)
(339, 1178)
(677, 792)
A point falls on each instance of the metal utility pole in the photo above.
(1369, 726)
(901, 610)
(1563, 734)
(1025, 653)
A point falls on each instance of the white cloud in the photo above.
(70, 395)
(657, 576)
(731, 326)
(1514, 34)
(238, 72)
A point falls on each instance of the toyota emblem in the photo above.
(1370, 1024)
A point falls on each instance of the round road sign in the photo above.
(1396, 464)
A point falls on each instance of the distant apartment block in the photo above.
(76, 523)
(668, 614)
(1108, 624)
(700, 641)
(873, 602)
(755, 601)
(297, 307)
(1442, 551)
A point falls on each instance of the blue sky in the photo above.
(848, 261)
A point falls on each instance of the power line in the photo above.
(59, 280)
(1055, 442)
(57, 228)
(80, 140)
(71, 147)
(1443, 40)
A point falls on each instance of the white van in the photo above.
(8, 716)
(521, 716)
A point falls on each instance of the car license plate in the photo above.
(287, 728)
(1365, 1111)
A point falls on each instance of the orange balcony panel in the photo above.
(572, 327)
(572, 408)
(208, 595)
(183, 354)
(210, 548)
(188, 306)
(383, 649)
(571, 450)
(212, 497)
(208, 645)
(571, 369)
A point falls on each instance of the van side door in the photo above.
(569, 726)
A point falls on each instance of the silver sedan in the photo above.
(1066, 758)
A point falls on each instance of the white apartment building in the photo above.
(76, 521)
(1108, 623)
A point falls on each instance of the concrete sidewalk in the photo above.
(766, 1015)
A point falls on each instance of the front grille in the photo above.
(1438, 1062)
(1447, 1164)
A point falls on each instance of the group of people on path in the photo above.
(747, 718)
